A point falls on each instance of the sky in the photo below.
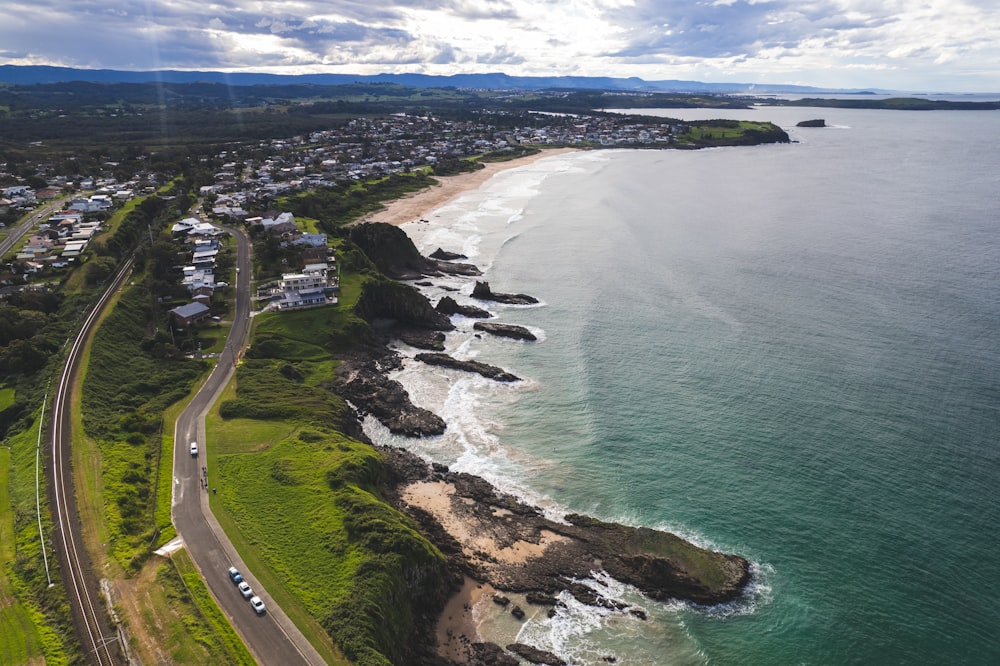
(904, 45)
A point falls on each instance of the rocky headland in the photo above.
(487, 536)
(501, 542)
(391, 250)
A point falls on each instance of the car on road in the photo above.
(235, 575)
(194, 448)
(245, 590)
(258, 605)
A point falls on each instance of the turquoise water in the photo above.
(787, 352)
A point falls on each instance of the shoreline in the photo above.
(497, 545)
(412, 207)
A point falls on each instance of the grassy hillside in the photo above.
(302, 499)
(34, 617)
(130, 381)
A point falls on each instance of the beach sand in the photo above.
(417, 205)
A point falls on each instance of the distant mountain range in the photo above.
(38, 74)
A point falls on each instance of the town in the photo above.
(246, 180)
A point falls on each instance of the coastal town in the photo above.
(248, 254)
(246, 179)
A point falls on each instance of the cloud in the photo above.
(735, 27)
(933, 40)
(501, 55)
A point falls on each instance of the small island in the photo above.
(818, 122)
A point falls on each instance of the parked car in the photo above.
(258, 605)
(194, 449)
(235, 575)
(244, 588)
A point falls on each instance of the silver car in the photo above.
(258, 605)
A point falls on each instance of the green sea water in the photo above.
(787, 352)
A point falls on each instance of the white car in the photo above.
(194, 448)
(258, 605)
(245, 590)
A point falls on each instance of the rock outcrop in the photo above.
(391, 250)
(430, 340)
(444, 255)
(505, 330)
(393, 253)
(483, 292)
(400, 303)
(534, 655)
(819, 122)
(490, 654)
(449, 306)
(368, 388)
(488, 371)
(531, 553)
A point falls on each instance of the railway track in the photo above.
(97, 634)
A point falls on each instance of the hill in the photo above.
(35, 74)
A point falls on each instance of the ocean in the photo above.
(788, 352)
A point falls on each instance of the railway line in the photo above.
(97, 634)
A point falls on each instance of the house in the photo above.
(311, 240)
(302, 298)
(299, 281)
(73, 249)
(202, 294)
(190, 314)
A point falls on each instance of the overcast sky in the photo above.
(908, 45)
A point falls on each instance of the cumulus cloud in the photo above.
(500, 55)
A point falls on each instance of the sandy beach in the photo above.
(415, 206)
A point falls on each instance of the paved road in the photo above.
(18, 232)
(272, 637)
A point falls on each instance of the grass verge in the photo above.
(19, 639)
(25, 594)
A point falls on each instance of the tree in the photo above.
(99, 269)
